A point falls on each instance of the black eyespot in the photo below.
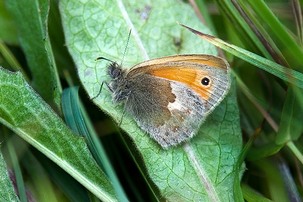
(205, 81)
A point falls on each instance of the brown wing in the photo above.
(169, 99)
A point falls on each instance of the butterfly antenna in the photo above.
(103, 58)
(130, 31)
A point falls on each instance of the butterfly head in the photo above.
(118, 84)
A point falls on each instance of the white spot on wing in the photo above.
(175, 106)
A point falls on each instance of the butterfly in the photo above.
(170, 97)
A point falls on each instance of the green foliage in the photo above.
(211, 139)
(34, 40)
(33, 120)
(51, 162)
(6, 187)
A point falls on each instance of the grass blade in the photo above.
(277, 70)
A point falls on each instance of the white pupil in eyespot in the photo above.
(205, 81)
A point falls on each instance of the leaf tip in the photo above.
(202, 35)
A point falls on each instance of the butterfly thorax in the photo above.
(118, 84)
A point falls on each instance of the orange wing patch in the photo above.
(189, 76)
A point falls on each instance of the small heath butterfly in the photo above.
(170, 97)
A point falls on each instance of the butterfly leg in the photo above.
(124, 110)
(108, 86)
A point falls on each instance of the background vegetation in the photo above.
(53, 45)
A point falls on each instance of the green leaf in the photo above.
(273, 178)
(20, 185)
(78, 121)
(41, 185)
(291, 48)
(34, 39)
(252, 195)
(63, 60)
(25, 113)
(295, 150)
(6, 187)
(199, 170)
(263, 151)
(242, 28)
(10, 59)
(8, 30)
(291, 126)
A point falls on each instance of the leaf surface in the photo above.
(25, 113)
(201, 170)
